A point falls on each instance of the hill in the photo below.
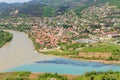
(47, 8)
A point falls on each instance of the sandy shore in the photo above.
(100, 61)
(103, 61)
(19, 51)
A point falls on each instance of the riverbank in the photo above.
(90, 60)
(100, 61)
(19, 51)
(5, 37)
(76, 57)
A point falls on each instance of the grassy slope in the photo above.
(109, 75)
(101, 48)
(100, 51)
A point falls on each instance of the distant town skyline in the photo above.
(13, 1)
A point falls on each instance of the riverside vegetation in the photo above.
(109, 75)
(5, 37)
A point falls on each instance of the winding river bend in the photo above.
(19, 51)
(19, 55)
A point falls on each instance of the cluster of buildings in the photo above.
(46, 37)
(51, 37)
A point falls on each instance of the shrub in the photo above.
(17, 79)
(23, 73)
(48, 76)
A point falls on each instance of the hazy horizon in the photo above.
(14, 1)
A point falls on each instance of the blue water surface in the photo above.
(65, 66)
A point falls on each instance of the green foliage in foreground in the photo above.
(23, 75)
(16, 79)
(49, 76)
(5, 37)
(109, 75)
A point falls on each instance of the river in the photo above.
(19, 51)
(19, 55)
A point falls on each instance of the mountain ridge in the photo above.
(46, 8)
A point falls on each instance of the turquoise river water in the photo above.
(65, 66)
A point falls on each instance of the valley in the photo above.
(60, 33)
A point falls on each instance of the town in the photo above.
(96, 24)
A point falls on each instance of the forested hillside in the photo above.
(47, 8)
